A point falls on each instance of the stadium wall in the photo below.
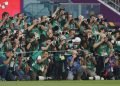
(108, 13)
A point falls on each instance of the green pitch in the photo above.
(60, 83)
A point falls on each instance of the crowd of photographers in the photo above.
(58, 47)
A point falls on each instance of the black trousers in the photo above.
(100, 65)
(59, 74)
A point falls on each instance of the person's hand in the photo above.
(5, 18)
(39, 19)
(45, 55)
(74, 56)
(102, 40)
(20, 18)
(50, 35)
(111, 54)
(49, 43)
(16, 46)
(102, 35)
(57, 9)
(89, 35)
(80, 18)
(63, 17)
(62, 13)
(79, 50)
(20, 35)
(106, 39)
(69, 19)
(11, 54)
(32, 40)
(62, 42)
(19, 67)
(42, 27)
(35, 22)
(27, 68)
(4, 39)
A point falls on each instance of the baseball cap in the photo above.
(77, 39)
(63, 37)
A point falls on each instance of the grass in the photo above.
(60, 83)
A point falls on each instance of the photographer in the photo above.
(32, 44)
(62, 45)
(47, 45)
(33, 27)
(20, 22)
(117, 41)
(80, 20)
(103, 48)
(46, 35)
(89, 64)
(4, 22)
(110, 65)
(5, 43)
(4, 66)
(3, 40)
(21, 68)
(71, 34)
(60, 17)
(74, 66)
(76, 43)
(40, 64)
(70, 22)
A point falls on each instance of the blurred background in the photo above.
(35, 8)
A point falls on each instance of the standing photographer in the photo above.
(103, 48)
(4, 22)
(4, 65)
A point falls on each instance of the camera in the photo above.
(76, 19)
(64, 33)
(11, 18)
(53, 43)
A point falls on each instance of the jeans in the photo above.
(19, 73)
(3, 71)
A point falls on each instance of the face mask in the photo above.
(75, 46)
